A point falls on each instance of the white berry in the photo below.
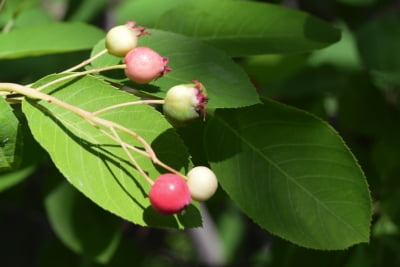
(123, 38)
(184, 102)
(202, 183)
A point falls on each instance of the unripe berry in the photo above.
(202, 183)
(143, 65)
(169, 194)
(183, 103)
(123, 38)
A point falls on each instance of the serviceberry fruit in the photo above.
(143, 65)
(123, 38)
(183, 103)
(202, 183)
(169, 194)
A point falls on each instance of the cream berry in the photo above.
(183, 103)
(202, 183)
(123, 38)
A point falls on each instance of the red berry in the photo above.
(169, 194)
(143, 65)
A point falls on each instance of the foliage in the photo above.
(301, 130)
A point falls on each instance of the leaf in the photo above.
(95, 164)
(227, 84)
(48, 39)
(11, 10)
(364, 109)
(9, 179)
(82, 226)
(358, 2)
(87, 10)
(248, 28)
(343, 54)
(144, 12)
(9, 133)
(291, 173)
(382, 36)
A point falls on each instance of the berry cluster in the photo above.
(170, 193)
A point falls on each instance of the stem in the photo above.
(95, 121)
(144, 153)
(20, 89)
(8, 26)
(149, 101)
(125, 148)
(2, 4)
(87, 61)
(78, 74)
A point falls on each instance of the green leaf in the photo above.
(95, 164)
(87, 10)
(364, 109)
(357, 2)
(10, 179)
(48, 39)
(382, 36)
(82, 226)
(227, 84)
(343, 54)
(9, 133)
(13, 9)
(144, 12)
(291, 173)
(248, 28)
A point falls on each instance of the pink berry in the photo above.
(143, 65)
(169, 194)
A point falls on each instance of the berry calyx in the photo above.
(123, 38)
(169, 194)
(202, 183)
(183, 103)
(143, 65)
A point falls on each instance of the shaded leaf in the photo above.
(378, 43)
(91, 161)
(246, 27)
(48, 39)
(291, 173)
(10, 179)
(227, 84)
(9, 128)
(144, 12)
(13, 9)
(82, 226)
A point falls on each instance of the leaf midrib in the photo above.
(285, 174)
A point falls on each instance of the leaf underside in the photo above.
(96, 165)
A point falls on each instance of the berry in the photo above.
(143, 65)
(202, 183)
(184, 102)
(169, 194)
(123, 38)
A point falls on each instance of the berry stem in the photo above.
(149, 101)
(96, 122)
(132, 159)
(78, 74)
(87, 61)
